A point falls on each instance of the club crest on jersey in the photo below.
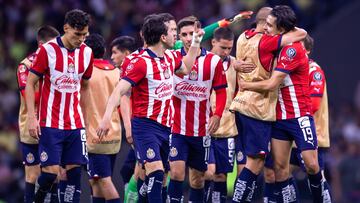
(193, 75)
(43, 156)
(22, 68)
(317, 76)
(173, 152)
(30, 158)
(239, 156)
(150, 154)
(71, 68)
(291, 52)
(166, 73)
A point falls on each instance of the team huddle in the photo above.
(184, 109)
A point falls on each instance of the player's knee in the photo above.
(312, 167)
(197, 181)
(177, 174)
(32, 173)
(209, 174)
(51, 169)
(153, 166)
(269, 175)
(255, 164)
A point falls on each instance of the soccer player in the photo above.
(222, 150)
(29, 144)
(319, 100)
(102, 153)
(66, 64)
(193, 123)
(294, 119)
(151, 75)
(256, 110)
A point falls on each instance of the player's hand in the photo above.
(33, 126)
(129, 137)
(243, 66)
(103, 128)
(243, 15)
(214, 124)
(197, 35)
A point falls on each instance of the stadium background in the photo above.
(332, 23)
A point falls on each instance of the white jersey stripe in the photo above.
(71, 112)
(294, 101)
(196, 119)
(182, 117)
(149, 73)
(63, 95)
(282, 106)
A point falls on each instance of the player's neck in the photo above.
(66, 43)
(158, 49)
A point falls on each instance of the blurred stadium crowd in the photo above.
(19, 20)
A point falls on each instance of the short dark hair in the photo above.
(189, 20)
(167, 17)
(124, 43)
(46, 33)
(77, 19)
(309, 43)
(223, 33)
(153, 28)
(97, 43)
(285, 17)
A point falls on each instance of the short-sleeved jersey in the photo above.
(259, 49)
(152, 80)
(191, 99)
(93, 102)
(227, 127)
(318, 88)
(63, 70)
(127, 60)
(293, 98)
(22, 74)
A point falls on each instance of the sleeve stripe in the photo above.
(282, 70)
(220, 87)
(35, 72)
(279, 43)
(130, 81)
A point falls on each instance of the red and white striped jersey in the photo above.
(152, 80)
(191, 100)
(127, 60)
(63, 71)
(294, 99)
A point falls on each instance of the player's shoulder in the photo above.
(293, 50)
(250, 33)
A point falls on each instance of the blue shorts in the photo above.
(222, 151)
(321, 157)
(30, 154)
(151, 141)
(239, 142)
(256, 135)
(193, 150)
(301, 130)
(62, 147)
(101, 165)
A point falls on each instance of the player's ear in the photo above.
(163, 38)
(213, 41)
(66, 28)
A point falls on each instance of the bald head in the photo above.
(262, 15)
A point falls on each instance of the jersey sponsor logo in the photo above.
(150, 154)
(71, 68)
(43, 156)
(291, 52)
(304, 122)
(173, 152)
(23, 77)
(30, 158)
(317, 76)
(164, 90)
(192, 90)
(65, 83)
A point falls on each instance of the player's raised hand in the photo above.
(243, 15)
(103, 128)
(197, 35)
(33, 126)
(214, 124)
(243, 66)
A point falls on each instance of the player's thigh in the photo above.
(177, 170)
(311, 162)
(74, 148)
(178, 156)
(280, 153)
